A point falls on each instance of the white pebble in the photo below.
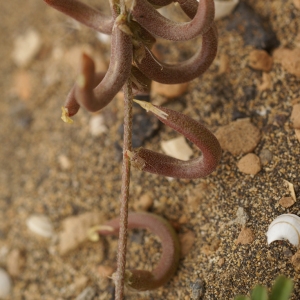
(40, 225)
(224, 8)
(177, 148)
(97, 126)
(5, 284)
(26, 47)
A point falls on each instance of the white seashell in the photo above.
(224, 8)
(40, 225)
(5, 284)
(285, 227)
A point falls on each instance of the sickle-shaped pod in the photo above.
(157, 163)
(147, 16)
(142, 280)
(84, 14)
(183, 71)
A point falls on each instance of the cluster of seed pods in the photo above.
(132, 36)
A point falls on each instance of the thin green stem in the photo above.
(121, 263)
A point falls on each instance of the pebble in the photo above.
(75, 230)
(265, 156)
(26, 47)
(286, 202)
(221, 262)
(5, 284)
(143, 203)
(105, 271)
(297, 133)
(15, 262)
(241, 216)
(295, 116)
(266, 83)
(289, 59)
(249, 164)
(297, 3)
(87, 294)
(198, 289)
(167, 90)
(64, 162)
(238, 137)
(245, 237)
(260, 60)
(97, 125)
(41, 225)
(252, 28)
(186, 242)
(177, 148)
(296, 261)
(224, 8)
(23, 84)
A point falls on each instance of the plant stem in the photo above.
(121, 262)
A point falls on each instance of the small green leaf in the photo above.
(259, 293)
(282, 288)
(240, 297)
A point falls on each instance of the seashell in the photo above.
(224, 8)
(285, 227)
(40, 225)
(5, 284)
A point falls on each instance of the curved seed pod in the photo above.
(71, 104)
(94, 99)
(145, 280)
(184, 71)
(157, 163)
(189, 7)
(84, 14)
(146, 15)
(285, 227)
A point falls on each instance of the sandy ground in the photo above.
(50, 168)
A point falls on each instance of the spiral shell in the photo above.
(285, 227)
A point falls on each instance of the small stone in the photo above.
(75, 230)
(97, 125)
(249, 164)
(87, 294)
(105, 271)
(40, 225)
(143, 203)
(297, 133)
(167, 90)
(295, 116)
(23, 84)
(15, 262)
(223, 64)
(260, 60)
(64, 162)
(297, 3)
(251, 26)
(245, 237)
(26, 47)
(286, 202)
(265, 156)
(296, 261)
(238, 137)
(177, 148)
(80, 282)
(224, 8)
(198, 289)
(289, 59)
(241, 216)
(5, 284)
(221, 262)
(266, 83)
(186, 241)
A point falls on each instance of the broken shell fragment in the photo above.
(285, 227)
